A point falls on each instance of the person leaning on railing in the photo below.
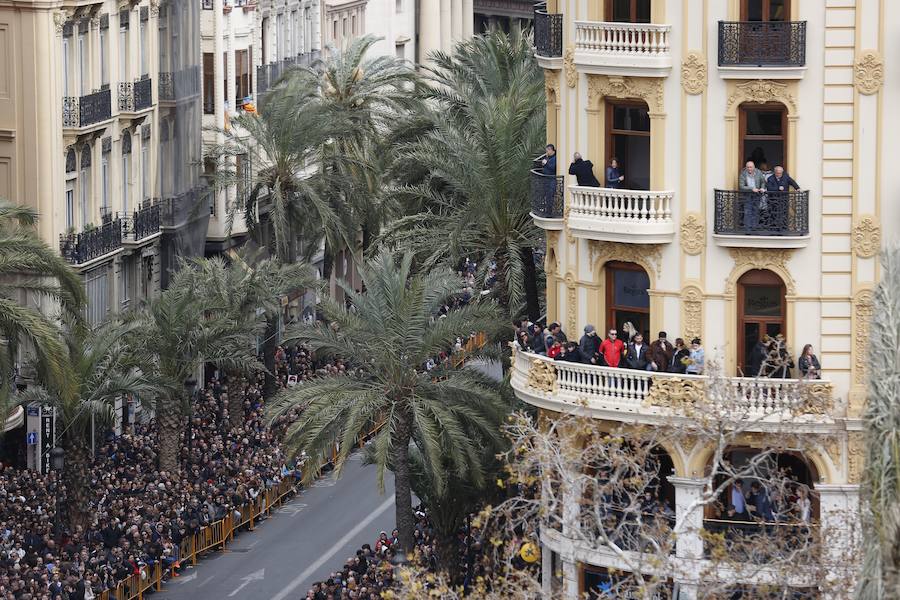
(779, 185)
(752, 185)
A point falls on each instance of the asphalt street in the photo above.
(302, 542)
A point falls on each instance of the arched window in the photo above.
(761, 311)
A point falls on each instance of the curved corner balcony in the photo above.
(616, 215)
(769, 220)
(548, 37)
(650, 397)
(623, 49)
(547, 200)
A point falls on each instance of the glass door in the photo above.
(761, 303)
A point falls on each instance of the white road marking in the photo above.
(327, 556)
(187, 578)
(293, 509)
(246, 579)
(205, 581)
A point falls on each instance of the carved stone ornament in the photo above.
(692, 312)
(693, 233)
(693, 72)
(868, 72)
(571, 302)
(817, 399)
(762, 91)
(59, 20)
(856, 453)
(758, 258)
(542, 376)
(675, 393)
(569, 67)
(863, 310)
(648, 89)
(154, 8)
(646, 255)
(551, 87)
(866, 237)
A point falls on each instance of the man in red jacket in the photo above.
(612, 348)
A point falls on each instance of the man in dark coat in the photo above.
(583, 170)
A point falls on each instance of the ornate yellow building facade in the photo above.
(684, 93)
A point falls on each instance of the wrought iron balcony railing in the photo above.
(762, 43)
(268, 75)
(87, 110)
(176, 210)
(143, 93)
(82, 247)
(135, 96)
(143, 222)
(547, 195)
(548, 32)
(166, 86)
(762, 214)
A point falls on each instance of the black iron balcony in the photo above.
(548, 32)
(135, 96)
(760, 542)
(547, 195)
(166, 86)
(87, 110)
(82, 247)
(143, 93)
(177, 210)
(143, 222)
(763, 214)
(762, 43)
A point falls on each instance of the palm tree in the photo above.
(389, 334)
(103, 371)
(29, 268)
(488, 122)
(247, 290)
(283, 143)
(880, 576)
(175, 335)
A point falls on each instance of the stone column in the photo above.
(429, 28)
(688, 544)
(468, 19)
(456, 20)
(446, 30)
(546, 572)
(838, 515)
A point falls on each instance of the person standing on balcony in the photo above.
(778, 187)
(752, 185)
(808, 364)
(696, 359)
(548, 163)
(680, 357)
(737, 508)
(637, 353)
(583, 170)
(758, 356)
(589, 344)
(555, 332)
(614, 177)
(660, 355)
(612, 348)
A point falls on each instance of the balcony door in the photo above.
(628, 11)
(762, 309)
(765, 10)
(763, 139)
(627, 299)
(628, 141)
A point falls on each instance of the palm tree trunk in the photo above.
(169, 435)
(501, 293)
(77, 481)
(532, 300)
(403, 484)
(270, 343)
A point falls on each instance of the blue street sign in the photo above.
(31, 438)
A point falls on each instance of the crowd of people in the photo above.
(628, 350)
(138, 515)
(370, 572)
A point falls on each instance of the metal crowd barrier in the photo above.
(214, 536)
